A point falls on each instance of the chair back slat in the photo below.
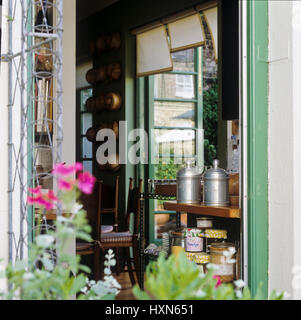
(134, 204)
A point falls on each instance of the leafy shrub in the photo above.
(177, 278)
(50, 273)
(210, 100)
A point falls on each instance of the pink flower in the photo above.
(65, 170)
(86, 182)
(36, 190)
(219, 282)
(51, 195)
(65, 185)
(40, 201)
(78, 166)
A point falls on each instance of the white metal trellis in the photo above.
(34, 59)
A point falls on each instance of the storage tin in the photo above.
(189, 184)
(216, 186)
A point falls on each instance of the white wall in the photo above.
(3, 149)
(296, 64)
(69, 87)
(69, 81)
(284, 147)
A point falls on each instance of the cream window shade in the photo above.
(211, 19)
(186, 33)
(153, 52)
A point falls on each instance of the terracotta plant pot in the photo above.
(113, 101)
(110, 125)
(91, 76)
(90, 105)
(116, 41)
(100, 103)
(114, 71)
(100, 43)
(101, 74)
(91, 134)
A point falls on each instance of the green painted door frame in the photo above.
(257, 144)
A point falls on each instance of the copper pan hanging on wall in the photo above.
(115, 40)
(91, 134)
(114, 71)
(90, 104)
(100, 102)
(113, 101)
(91, 76)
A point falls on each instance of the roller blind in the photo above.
(211, 19)
(186, 33)
(153, 52)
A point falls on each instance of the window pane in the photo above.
(183, 60)
(87, 166)
(168, 168)
(84, 95)
(179, 143)
(86, 122)
(174, 114)
(86, 148)
(174, 86)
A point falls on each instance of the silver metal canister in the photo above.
(189, 183)
(216, 186)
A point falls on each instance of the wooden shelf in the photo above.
(199, 209)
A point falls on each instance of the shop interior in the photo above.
(187, 102)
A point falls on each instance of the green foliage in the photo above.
(50, 273)
(210, 100)
(166, 171)
(177, 278)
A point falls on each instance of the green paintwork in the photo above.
(257, 40)
(198, 125)
(30, 129)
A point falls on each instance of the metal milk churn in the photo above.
(216, 187)
(189, 182)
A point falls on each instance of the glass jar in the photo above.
(214, 235)
(221, 254)
(200, 258)
(177, 242)
(204, 223)
(193, 239)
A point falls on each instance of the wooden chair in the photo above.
(108, 204)
(125, 239)
(111, 207)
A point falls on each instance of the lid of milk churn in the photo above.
(189, 170)
(215, 172)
